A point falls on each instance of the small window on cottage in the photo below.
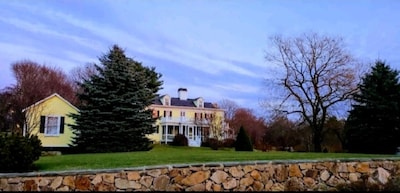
(51, 125)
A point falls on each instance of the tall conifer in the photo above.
(113, 116)
(374, 121)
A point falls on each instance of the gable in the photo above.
(54, 101)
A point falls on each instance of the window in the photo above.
(51, 125)
(200, 103)
(182, 113)
(167, 113)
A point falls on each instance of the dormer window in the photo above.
(166, 100)
(198, 102)
(201, 104)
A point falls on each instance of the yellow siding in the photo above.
(155, 137)
(56, 107)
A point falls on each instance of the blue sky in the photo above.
(214, 48)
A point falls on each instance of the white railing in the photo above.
(170, 137)
(184, 120)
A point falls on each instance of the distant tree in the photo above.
(318, 74)
(333, 135)
(374, 121)
(81, 73)
(113, 114)
(243, 142)
(33, 83)
(6, 111)
(282, 133)
(255, 126)
(229, 107)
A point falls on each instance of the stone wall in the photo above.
(294, 175)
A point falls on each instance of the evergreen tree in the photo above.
(113, 116)
(243, 142)
(374, 121)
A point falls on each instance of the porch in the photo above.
(193, 133)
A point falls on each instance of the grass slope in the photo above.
(165, 154)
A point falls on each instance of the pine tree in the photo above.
(374, 121)
(113, 116)
(243, 142)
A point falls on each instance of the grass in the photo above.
(165, 154)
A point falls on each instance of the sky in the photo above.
(214, 48)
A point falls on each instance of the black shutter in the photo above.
(42, 122)
(170, 114)
(62, 125)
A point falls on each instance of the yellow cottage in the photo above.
(49, 120)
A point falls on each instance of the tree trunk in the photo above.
(317, 140)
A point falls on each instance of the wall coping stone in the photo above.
(184, 165)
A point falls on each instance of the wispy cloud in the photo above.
(35, 27)
(22, 52)
(179, 55)
(246, 88)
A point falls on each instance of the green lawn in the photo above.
(165, 154)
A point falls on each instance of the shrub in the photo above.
(205, 143)
(18, 153)
(180, 140)
(214, 143)
(228, 143)
(243, 142)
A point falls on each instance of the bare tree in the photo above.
(35, 82)
(319, 74)
(32, 118)
(212, 123)
(216, 124)
(229, 107)
(81, 73)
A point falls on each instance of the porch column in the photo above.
(166, 132)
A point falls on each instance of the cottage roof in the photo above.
(45, 99)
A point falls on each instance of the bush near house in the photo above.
(180, 140)
(17, 153)
(228, 143)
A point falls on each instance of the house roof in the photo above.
(47, 98)
(175, 101)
